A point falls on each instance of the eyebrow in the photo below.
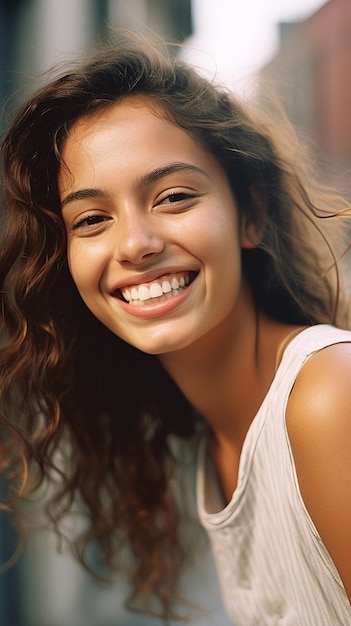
(143, 181)
(83, 194)
(172, 168)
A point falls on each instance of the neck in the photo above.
(226, 374)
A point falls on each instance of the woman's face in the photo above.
(153, 231)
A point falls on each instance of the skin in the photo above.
(143, 205)
(319, 427)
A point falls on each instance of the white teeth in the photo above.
(166, 286)
(142, 293)
(155, 290)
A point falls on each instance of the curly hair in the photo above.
(68, 384)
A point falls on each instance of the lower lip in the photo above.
(159, 308)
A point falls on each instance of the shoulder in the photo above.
(319, 427)
(323, 389)
(318, 415)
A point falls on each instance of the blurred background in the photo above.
(300, 50)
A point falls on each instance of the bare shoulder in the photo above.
(319, 427)
(323, 391)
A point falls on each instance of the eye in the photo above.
(180, 200)
(177, 196)
(176, 201)
(89, 222)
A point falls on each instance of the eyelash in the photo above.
(178, 196)
(88, 220)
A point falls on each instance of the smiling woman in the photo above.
(170, 280)
(131, 217)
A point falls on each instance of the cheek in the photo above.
(211, 228)
(85, 266)
(222, 259)
(217, 242)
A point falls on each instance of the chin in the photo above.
(155, 350)
(159, 348)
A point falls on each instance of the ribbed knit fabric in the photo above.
(272, 564)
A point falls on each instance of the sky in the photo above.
(233, 38)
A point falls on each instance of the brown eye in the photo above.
(178, 196)
(89, 220)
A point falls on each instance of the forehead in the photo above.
(125, 111)
(135, 132)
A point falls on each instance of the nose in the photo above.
(138, 237)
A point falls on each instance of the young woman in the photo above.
(168, 277)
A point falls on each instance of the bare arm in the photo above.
(319, 427)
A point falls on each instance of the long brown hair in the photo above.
(67, 384)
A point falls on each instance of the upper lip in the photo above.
(149, 277)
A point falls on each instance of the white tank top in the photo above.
(272, 564)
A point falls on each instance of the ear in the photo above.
(251, 232)
(253, 222)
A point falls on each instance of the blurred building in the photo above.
(311, 75)
(36, 34)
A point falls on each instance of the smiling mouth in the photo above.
(157, 290)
